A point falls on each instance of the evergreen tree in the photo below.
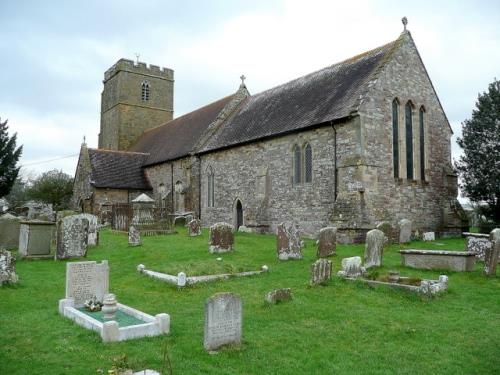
(54, 187)
(9, 156)
(479, 166)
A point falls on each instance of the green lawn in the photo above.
(339, 328)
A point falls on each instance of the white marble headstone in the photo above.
(85, 280)
(223, 321)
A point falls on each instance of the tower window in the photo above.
(307, 163)
(145, 90)
(409, 140)
(395, 138)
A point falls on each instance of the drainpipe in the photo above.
(335, 160)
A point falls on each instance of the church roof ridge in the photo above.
(117, 151)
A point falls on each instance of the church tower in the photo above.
(136, 97)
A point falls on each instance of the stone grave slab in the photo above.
(492, 254)
(7, 268)
(134, 236)
(194, 228)
(221, 238)
(279, 295)
(351, 268)
(85, 280)
(35, 238)
(72, 237)
(327, 242)
(374, 248)
(404, 231)
(321, 271)
(223, 321)
(9, 231)
(429, 236)
(288, 244)
(389, 230)
(93, 236)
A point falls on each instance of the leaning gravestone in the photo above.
(404, 231)
(223, 321)
(86, 280)
(221, 238)
(492, 254)
(194, 228)
(9, 231)
(327, 242)
(93, 239)
(374, 248)
(321, 271)
(72, 237)
(134, 236)
(288, 244)
(7, 268)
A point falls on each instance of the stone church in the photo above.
(359, 142)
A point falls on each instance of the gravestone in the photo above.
(429, 236)
(389, 230)
(35, 238)
(327, 242)
(9, 231)
(93, 237)
(321, 271)
(223, 321)
(244, 229)
(72, 237)
(351, 267)
(279, 295)
(288, 244)
(404, 231)
(86, 280)
(477, 243)
(374, 248)
(194, 228)
(134, 236)
(7, 268)
(492, 254)
(221, 238)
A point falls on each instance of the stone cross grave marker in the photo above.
(223, 321)
(221, 238)
(7, 268)
(72, 237)
(327, 242)
(194, 228)
(288, 245)
(374, 248)
(85, 280)
(134, 236)
(404, 231)
(321, 271)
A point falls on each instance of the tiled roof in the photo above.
(329, 94)
(178, 137)
(118, 169)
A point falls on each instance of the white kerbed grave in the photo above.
(182, 280)
(85, 280)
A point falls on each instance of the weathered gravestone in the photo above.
(327, 242)
(391, 232)
(223, 321)
(194, 228)
(35, 238)
(477, 243)
(93, 237)
(9, 231)
(86, 280)
(288, 244)
(279, 295)
(321, 271)
(72, 237)
(492, 254)
(429, 236)
(221, 238)
(134, 236)
(7, 268)
(404, 231)
(374, 248)
(351, 267)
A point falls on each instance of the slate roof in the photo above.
(329, 94)
(177, 138)
(118, 169)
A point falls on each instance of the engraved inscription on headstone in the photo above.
(223, 321)
(85, 280)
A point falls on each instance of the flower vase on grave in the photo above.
(109, 307)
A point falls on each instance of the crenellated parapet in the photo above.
(139, 68)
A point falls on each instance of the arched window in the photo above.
(145, 91)
(395, 137)
(409, 140)
(422, 143)
(307, 163)
(210, 187)
(297, 165)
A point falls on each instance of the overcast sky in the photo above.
(54, 54)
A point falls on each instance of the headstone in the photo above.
(374, 248)
(72, 237)
(327, 242)
(86, 280)
(477, 243)
(223, 321)
(429, 236)
(181, 279)
(389, 230)
(7, 268)
(35, 238)
(244, 229)
(9, 231)
(404, 231)
(134, 236)
(194, 228)
(288, 245)
(221, 238)
(93, 238)
(321, 271)
(492, 254)
(279, 295)
(351, 267)
(40, 211)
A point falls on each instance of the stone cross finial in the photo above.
(84, 139)
(405, 22)
(137, 55)
(243, 79)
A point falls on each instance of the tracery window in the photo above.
(145, 91)
(395, 137)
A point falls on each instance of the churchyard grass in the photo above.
(341, 327)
